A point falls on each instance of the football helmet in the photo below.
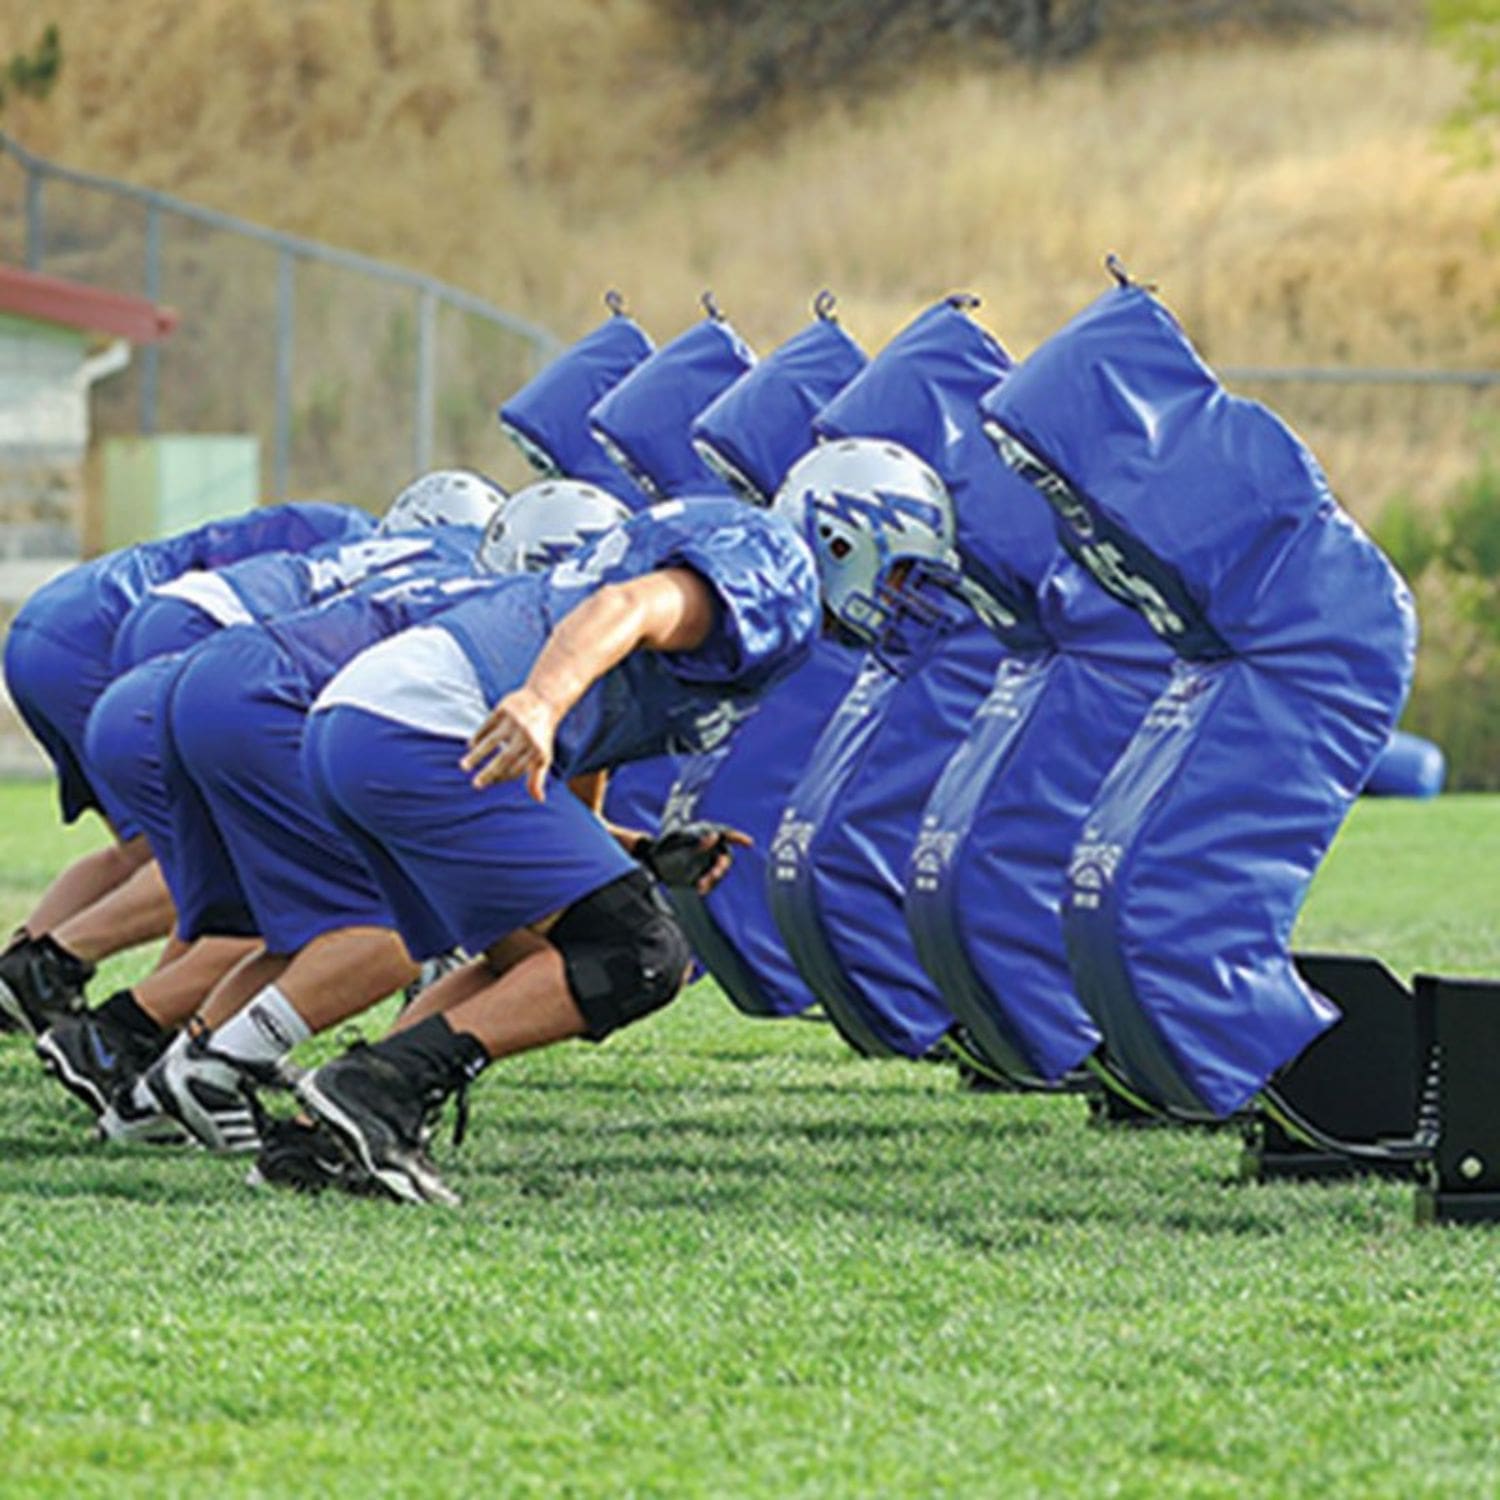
(540, 525)
(866, 507)
(445, 497)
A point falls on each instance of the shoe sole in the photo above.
(55, 1062)
(154, 1130)
(404, 1187)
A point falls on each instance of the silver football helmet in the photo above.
(445, 497)
(542, 524)
(866, 506)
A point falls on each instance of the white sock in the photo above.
(264, 1032)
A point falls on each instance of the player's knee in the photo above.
(624, 953)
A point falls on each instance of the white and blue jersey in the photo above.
(382, 746)
(653, 703)
(248, 850)
(176, 615)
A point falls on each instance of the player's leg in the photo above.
(237, 715)
(491, 863)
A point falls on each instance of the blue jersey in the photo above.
(322, 639)
(280, 583)
(659, 702)
(90, 601)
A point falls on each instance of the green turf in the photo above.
(727, 1258)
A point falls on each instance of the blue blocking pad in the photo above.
(755, 431)
(746, 783)
(645, 422)
(1295, 641)
(987, 877)
(548, 417)
(637, 792)
(840, 857)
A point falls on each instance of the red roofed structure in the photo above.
(71, 304)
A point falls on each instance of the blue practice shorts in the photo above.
(237, 715)
(128, 751)
(57, 663)
(456, 865)
(159, 626)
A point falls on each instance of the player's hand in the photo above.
(516, 740)
(697, 856)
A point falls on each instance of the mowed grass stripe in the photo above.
(724, 1257)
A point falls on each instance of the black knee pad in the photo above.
(624, 953)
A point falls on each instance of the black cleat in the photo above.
(307, 1158)
(379, 1116)
(94, 1057)
(40, 983)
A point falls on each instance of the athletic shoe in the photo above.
(210, 1094)
(134, 1118)
(40, 983)
(93, 1056)
(307, 1159)
(378, 1114)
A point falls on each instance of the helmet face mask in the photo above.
(546, 523)
(880, 524)
(445, 497)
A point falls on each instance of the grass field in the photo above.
(724, 1258)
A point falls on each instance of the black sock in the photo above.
(124, 1011)
(433, 1050)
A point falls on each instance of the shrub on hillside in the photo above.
(756, 53)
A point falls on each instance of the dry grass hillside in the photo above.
(1291, 199)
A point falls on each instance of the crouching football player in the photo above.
(660, 636)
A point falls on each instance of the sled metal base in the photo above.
(1459, 1020)
(1357, 1082)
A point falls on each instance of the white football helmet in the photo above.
(542, 524)
(445, 497)
(865, 506)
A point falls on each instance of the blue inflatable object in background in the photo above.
(645, 422)
(1409, 766)
(548, 418)
(840, 856)
(752, 434)
(1295, 641)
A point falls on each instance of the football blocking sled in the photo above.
(752, 434)
(1294, 640)
(840, 854)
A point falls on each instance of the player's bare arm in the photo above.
(670, 610)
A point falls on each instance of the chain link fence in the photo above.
(352, 374)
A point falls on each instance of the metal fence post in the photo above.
(426, 378)
(151, 354)
(286, 312)
(35, 230)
